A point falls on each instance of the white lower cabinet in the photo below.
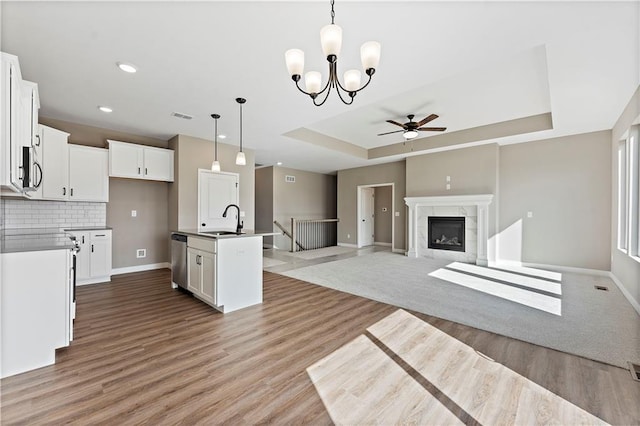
(201, 272)
(36, 306)
(93, 261)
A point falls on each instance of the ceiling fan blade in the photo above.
(432, 129)
(427, 119)
(388, 133)
(396, 123)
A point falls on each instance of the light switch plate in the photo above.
(397, 214)
(241, 214)
(529, 214)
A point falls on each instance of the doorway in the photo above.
(375, 219)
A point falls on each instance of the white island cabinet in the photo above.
(225, 272)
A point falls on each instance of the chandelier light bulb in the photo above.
(295, 61)
(352, 80)
(331, 40)
(370, 55)
(313, 81)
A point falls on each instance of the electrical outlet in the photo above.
(448, 186)
(529, 215)
(141, 253)
(134, 213)
(242, 213)
(397, 214)
(348, 235)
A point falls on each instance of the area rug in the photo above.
(569, 315)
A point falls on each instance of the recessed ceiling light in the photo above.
(105, 109)
(279, 163)
(222, 136)
(127, 67)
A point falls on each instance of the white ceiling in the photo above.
(472, 63)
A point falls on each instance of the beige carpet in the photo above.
(322, 252)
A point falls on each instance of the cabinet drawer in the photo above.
(206, 244)
(100, 235)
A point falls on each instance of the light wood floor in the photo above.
(144, 353)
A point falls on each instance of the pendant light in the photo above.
(215, 166)
(241, 160)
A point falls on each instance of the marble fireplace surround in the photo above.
(475, 208)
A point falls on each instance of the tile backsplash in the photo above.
(18, 213)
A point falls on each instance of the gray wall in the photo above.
(382, 224)
(348, 182)
(264, 202)
(472, 171)
(565, 183)
(150, 229)
(623, 267)
(311, 196)
(196, 153)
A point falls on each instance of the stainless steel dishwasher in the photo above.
(179, 260)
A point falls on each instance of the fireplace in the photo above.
(446, 233)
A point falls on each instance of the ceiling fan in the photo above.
(411, 127)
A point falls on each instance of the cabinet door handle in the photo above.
(64, 190)
(138, 170)
(38, 137)
(91, 248)
(72, 192)
(100, 235)
(145, 171)
(83, 239)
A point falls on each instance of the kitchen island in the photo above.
(224, 268)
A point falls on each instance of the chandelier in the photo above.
(331, 41)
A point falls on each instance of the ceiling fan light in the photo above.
(410, 134)
(215, 166)
(352, 79)
(241, 160)
(370, 55)
(331, 40)
(295, 61)
(313, 81)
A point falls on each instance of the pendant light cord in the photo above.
(333, 14)
(240, 127)
(216, 144)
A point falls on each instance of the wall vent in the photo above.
(601, 288)
(181, 115)
(290, 179)
(141, 253)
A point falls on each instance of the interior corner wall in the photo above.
(311, 196)
(382, 214)
(150, 229)
(566, 185)
(471, 171)
(623, 267)
(196, 153)
(348, 182)
(264, 202)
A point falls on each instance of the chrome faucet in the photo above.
(239, 225)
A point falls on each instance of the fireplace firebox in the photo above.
(446, 233)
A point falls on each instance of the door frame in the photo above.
(359, 213)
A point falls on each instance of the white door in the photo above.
(365, 235)
(215, 192)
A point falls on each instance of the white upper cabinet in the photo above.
(55, 164)
(88, 173)
(9, 87)
(134, 161)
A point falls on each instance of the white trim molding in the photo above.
(348, 245)
(140, 268)
(625, 292)
(480, 201)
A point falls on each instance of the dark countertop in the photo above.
(211, 233)
(34, 239)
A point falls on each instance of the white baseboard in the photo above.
(140, 268)
(347, 245)
(378, 243)
(268, 246)
(555, 268)
(402, 251)
(97, 280)
(626, 293)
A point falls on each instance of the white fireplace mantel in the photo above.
(481, 201)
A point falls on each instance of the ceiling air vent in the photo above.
(181, 115)
(290, 179)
